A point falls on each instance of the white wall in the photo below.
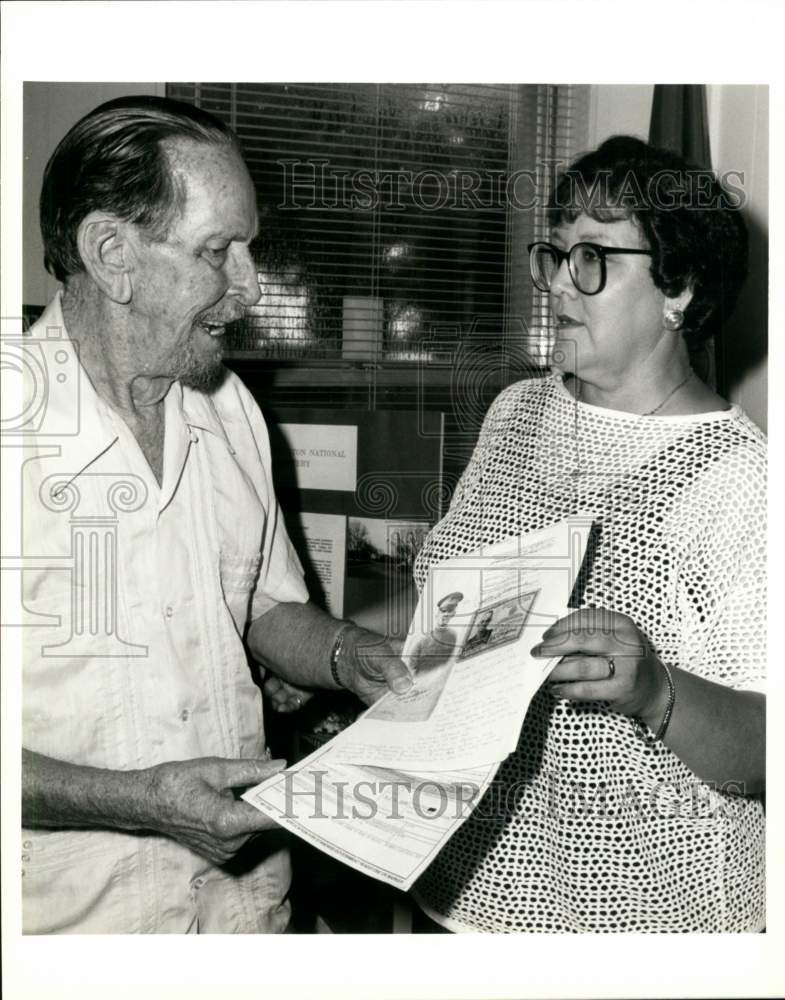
(50, 109)
(619, 109)
(739, 134)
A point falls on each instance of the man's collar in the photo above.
(198, 411)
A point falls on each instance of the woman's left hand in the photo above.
(605, 657)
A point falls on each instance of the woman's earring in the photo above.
(673, 319)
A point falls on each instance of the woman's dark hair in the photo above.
(690, 222)
(113, 160)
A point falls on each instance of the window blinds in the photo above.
(395, 217)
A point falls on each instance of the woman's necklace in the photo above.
(659, 406)
(578, 470)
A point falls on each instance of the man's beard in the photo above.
(203, 373)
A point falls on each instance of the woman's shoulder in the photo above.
(749, 431)
(729, 462)
(738, 440)
(524, 393)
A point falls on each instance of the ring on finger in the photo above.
(611, 668)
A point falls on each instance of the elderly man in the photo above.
(141, 717)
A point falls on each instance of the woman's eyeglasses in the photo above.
(586, 262)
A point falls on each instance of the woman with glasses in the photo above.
(634, 799)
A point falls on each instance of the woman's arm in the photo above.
(718, 732)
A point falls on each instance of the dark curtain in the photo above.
(679, 121)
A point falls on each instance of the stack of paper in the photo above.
(386, 793)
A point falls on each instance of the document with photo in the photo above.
(386, 794)
(469, 647)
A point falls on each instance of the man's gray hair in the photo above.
(113, 160)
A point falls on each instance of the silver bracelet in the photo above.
(336, 652)
(642, 730)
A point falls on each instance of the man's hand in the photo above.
(193, 802)
(370, 667)
(283, 696)
(294, 642)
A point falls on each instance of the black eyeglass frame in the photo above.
(562, 255)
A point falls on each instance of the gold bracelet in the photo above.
(336, 652)
(642, 730)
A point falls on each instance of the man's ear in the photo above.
(103, 245)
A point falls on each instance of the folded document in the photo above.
(386, 794)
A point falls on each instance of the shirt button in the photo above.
(27, 845)
(25, 857)
(185, 715)
(169, 610)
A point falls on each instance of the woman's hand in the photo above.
(605, 657)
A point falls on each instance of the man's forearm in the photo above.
(56, 793)
(191, 801)
(295, 642)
